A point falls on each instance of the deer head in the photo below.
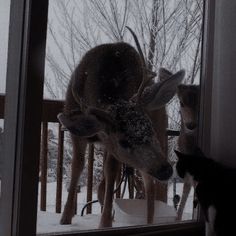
(125, 128)
(189, 97)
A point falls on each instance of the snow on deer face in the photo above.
(134, 141)
(126, 130)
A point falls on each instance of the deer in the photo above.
(188, 96)
(110, 99)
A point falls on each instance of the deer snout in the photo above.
(164, 173)
(191, 125)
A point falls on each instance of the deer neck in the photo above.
(187, 140)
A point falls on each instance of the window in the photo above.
(170, 34)
(22, 120)
(4, 23)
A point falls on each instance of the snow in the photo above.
(48, 222)
(51, 198)
(131, 120)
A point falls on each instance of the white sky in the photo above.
(4, 24)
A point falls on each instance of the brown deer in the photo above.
(187, 142)
(108, 101)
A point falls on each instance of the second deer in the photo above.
(187, 143)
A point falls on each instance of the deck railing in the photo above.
(50, 110)
(2, 102)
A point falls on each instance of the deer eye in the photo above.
(124, 143)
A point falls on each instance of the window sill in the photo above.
(188, 228)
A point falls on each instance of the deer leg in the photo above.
(111, 167)
(140, 189)
(101, 192)
(184, 197)
(150, 196)
(79, 147)
(101, 186)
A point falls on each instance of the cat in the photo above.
(214, 186)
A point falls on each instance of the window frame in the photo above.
(204, 134)
(177, 229)
(24, 92)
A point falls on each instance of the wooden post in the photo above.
(90, 177)
(131, 186)
(44, 166)
(118, 179)
(59, 169)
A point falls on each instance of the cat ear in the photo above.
(180, 155)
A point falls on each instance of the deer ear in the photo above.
(164, 74)
(104, 118)
(80, 125)
(157, 95)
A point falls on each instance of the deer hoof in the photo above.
(105, 225)
(65, 221)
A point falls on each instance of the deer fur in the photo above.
(108, 101)
(187, 142)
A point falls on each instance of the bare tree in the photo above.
(169, 32)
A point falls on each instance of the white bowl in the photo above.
(134, 211)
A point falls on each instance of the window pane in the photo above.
(170, 34)
(4, 24)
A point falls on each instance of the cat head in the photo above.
(182, 165)
(191, 164)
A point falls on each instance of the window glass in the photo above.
(4, 25)
(170, 35)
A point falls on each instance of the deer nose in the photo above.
(191, 125)
(165, 172)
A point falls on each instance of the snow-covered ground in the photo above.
(48, 221)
